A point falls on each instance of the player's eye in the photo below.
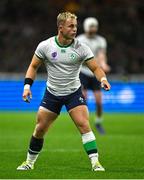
(73, 26)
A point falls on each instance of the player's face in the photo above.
(69, 28)
(92, 31)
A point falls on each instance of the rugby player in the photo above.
(63, 56)
(98, 46)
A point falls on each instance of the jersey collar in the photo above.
(62, 46)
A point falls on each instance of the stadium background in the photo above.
(23, 24)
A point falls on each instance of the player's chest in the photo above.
(93, 44)
(63, 55)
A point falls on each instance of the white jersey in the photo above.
(96, 43)
(63, 64)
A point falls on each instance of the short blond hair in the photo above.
(62, 17)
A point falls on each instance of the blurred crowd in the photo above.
(23, 24)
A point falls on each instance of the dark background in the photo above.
(23, 24)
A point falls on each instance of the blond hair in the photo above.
(62, 17)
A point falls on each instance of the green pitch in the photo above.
(121, 149)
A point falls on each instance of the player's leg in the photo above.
(80, 116)
(78, 111)
(49, 109)
(44, 120)
(96, 88)
(98, 100)
(99, 111)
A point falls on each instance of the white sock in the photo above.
(31, 158)
(88, 137)
(93, 158)
(99, 120)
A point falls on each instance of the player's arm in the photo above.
(102, 60)
(99, 73)
(30, 76)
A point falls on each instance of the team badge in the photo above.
(73, 56)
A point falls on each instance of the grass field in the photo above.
(121, 149)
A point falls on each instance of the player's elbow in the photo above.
(34, 67)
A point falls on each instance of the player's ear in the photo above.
(60, 27)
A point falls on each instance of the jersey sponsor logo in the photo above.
(63, 51)
(54, 55)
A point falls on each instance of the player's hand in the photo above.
(105, 85)
(27, 95)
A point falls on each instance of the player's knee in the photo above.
(39, 117)
(84, 126)
(40, 127)
(41, 120)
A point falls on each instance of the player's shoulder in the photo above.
(80, 36)
(46, 42)
(82, 49)
(100, 38)
(79, 44)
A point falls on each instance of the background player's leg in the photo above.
(98, 100)
(84, 91)
(99, 111)
(80, 116)
(44, 120)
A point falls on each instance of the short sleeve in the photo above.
(103, 43)
(39, 52)
(87, 54)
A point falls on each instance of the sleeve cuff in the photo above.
(39, 57)
(89, 58)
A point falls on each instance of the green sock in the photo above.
(90, 147)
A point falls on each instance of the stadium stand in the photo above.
(25, 23)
